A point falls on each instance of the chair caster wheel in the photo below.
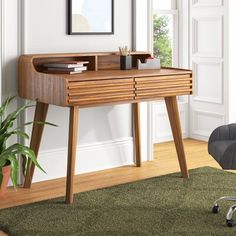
(230, 223)
(215, 209)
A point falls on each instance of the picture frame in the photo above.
(88, 17)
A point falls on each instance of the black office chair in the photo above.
(222, 146)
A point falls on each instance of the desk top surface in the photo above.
(116, 74)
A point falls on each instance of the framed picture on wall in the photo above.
(90, 16)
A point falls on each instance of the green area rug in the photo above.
(166, 205)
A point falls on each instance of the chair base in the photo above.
(229, 216)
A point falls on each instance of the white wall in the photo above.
(46, 29)
(9, 46)
(1, 11)
(231, 68)
(105, 133)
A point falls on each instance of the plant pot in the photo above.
(6, 171)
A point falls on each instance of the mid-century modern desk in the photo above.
(103, 84)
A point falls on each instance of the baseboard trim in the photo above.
(200, 137)
(90, 157)
(168, 138)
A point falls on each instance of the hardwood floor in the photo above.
(2, 234)
(165, 162)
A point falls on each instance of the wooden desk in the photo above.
(104, 83)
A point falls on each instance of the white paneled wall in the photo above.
(207, 74)
(105, 133)
(207, 3)
(231, 60)
(208, 105)
(207, 36)
(161, 125)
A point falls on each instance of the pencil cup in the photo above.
(125, 62)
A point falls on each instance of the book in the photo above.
(66, 64)
(62, 72)
(83, 68)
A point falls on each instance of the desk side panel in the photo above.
(46, 88)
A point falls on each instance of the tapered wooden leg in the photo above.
(72, 144)
(37, 131)
(172, 108)
(137, 137)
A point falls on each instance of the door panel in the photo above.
(209, 52)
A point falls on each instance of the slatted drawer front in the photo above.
(163, 86)
(101, 91)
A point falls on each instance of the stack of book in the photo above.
(66, 67)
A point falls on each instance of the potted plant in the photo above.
(9, 162)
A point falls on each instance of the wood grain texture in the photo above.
(163, 78)
(72, 144)
(41, 111)
(124, 74)
(2, 234)
(99, 92)
(94, 91)
(45, 88)
(103, 75)
(173, 113)
(164, 84)
(102, 84)
(149, 97)
(163, 91)
(111, 62)
(137, 134)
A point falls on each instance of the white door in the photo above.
(209, 33)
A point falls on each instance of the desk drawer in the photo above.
(163, 86)
(100, 92)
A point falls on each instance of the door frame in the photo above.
(141, 41)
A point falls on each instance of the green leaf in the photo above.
(8, 155)
(5, 104)
(4, 107)
(8, 122)
(14, 169)
(44, 123)
(22, 150)
(162, 43)
(37, 122)
(3, 162)
(19, 133)
(4, 138)
(24, 163)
